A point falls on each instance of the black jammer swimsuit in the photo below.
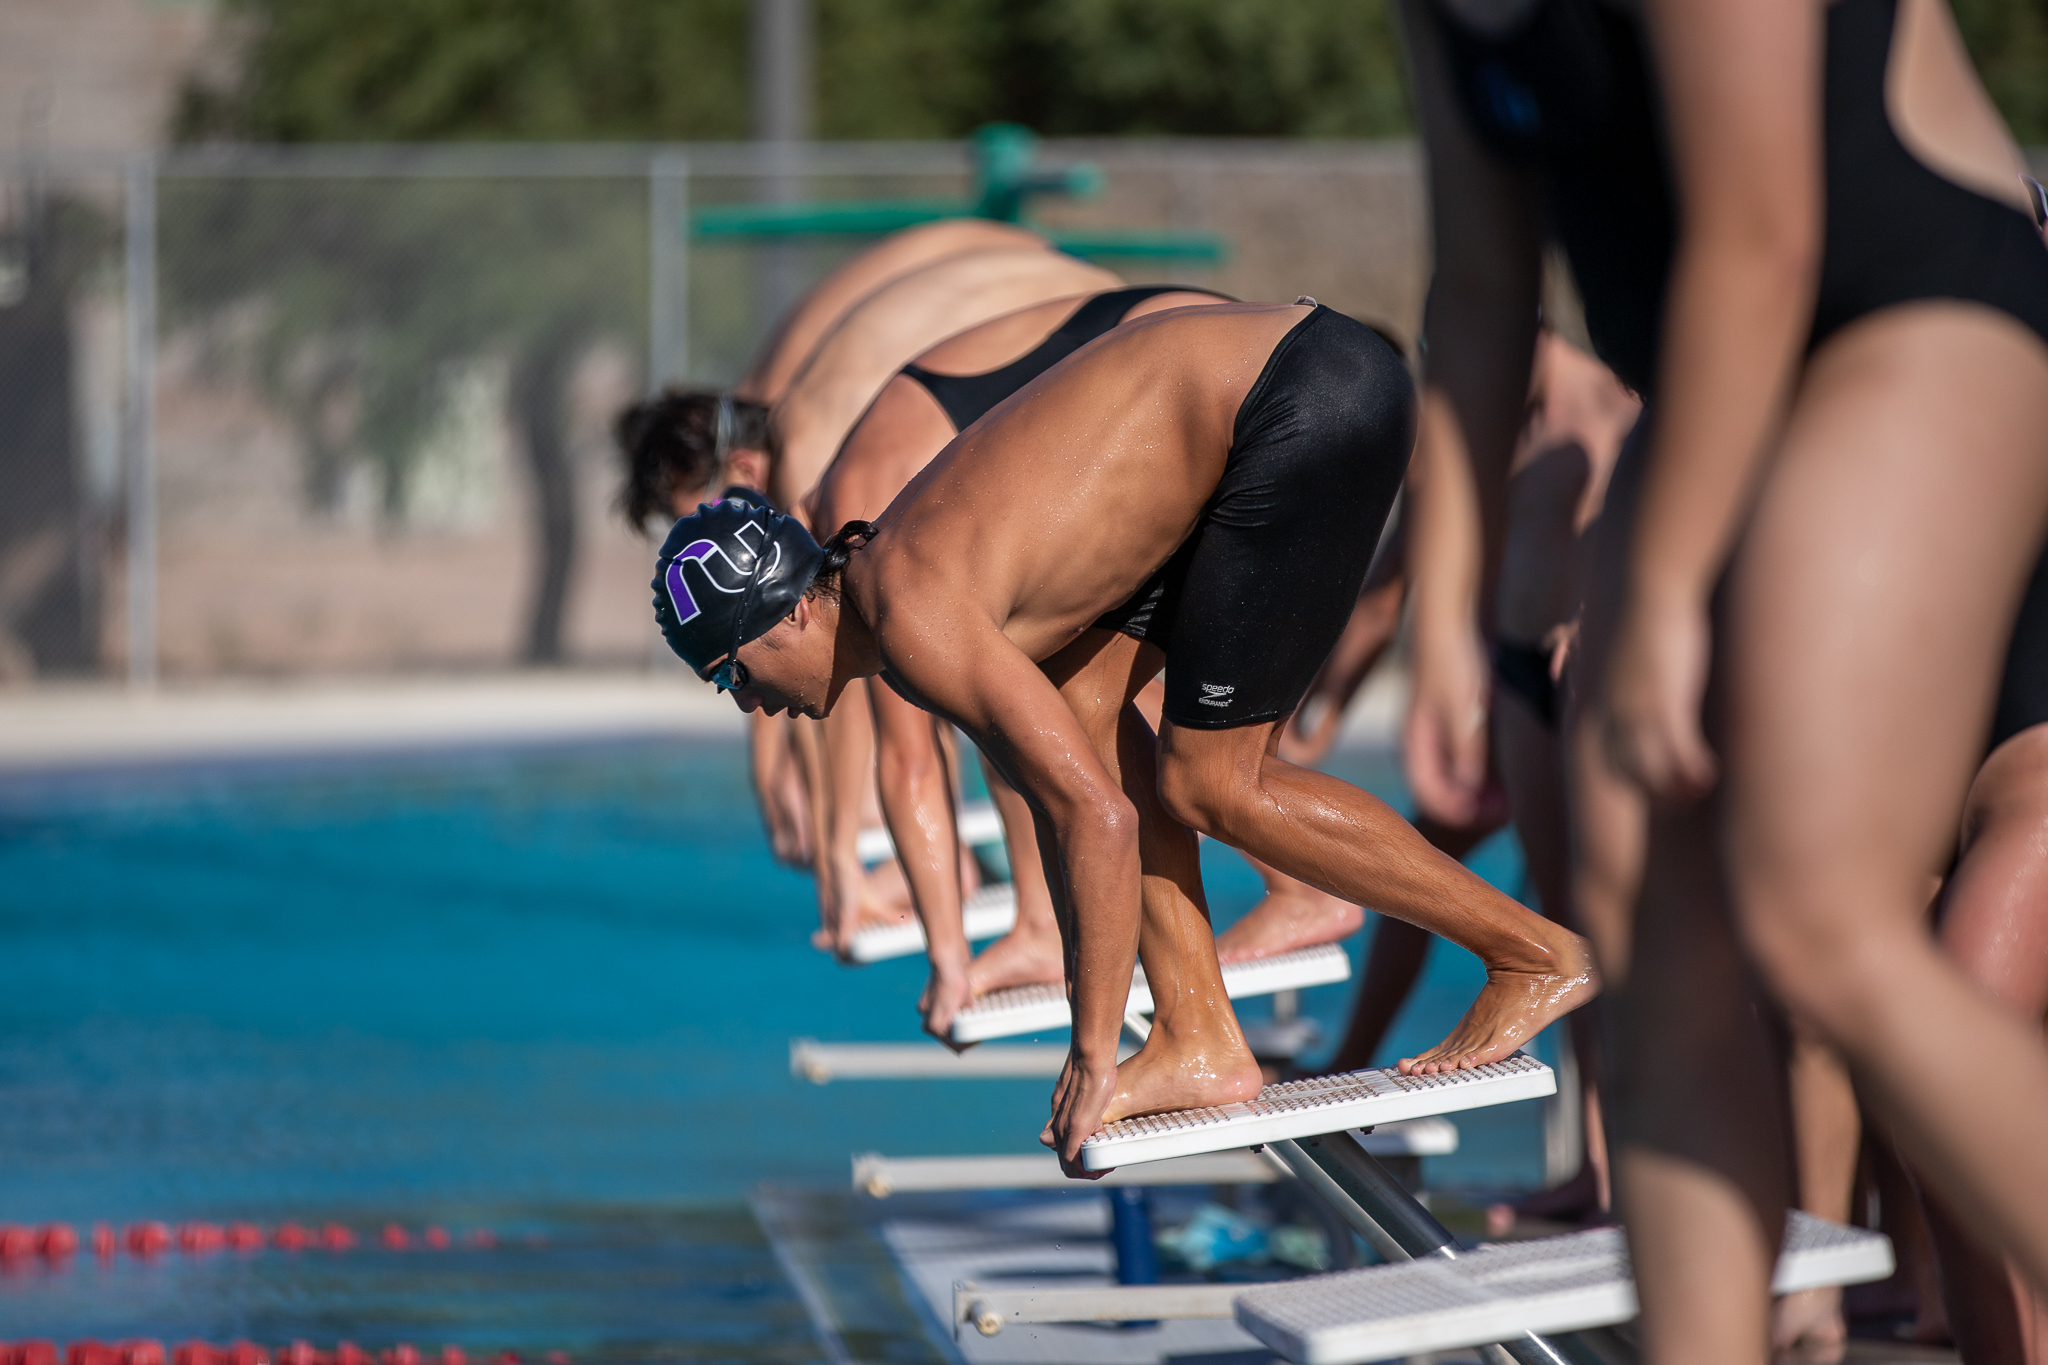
(965, 397)
(1252, 603)
(1570, 94)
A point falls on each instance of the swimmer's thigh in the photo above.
(1865, 618)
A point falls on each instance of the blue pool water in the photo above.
(548, 992)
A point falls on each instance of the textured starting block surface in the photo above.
(1498, 1293)
(1326, 1104)
(987, 913)
(1036, 1009)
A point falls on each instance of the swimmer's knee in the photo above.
(1819, 948)
(1187, 793)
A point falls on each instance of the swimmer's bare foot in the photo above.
(1293, 915)
(1518, 1001)
(1026, 956)
(1190, 1073)
(1191, 1067)
(1807, 1328)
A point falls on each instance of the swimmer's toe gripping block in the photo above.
(1499, 1293)
(1312, 1108)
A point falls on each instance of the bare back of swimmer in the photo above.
(1188, 492)
(887, 330)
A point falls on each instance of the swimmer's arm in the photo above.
(968, 672)
(917, 804)
(849, 759)
(770, 760)
(1480, 334)
(1742, 86)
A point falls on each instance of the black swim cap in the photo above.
(732, 563)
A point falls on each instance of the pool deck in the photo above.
(60, 726)
(86, 725)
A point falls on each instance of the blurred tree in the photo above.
(375, 70)
(361, 302)
(371, 70)
(2008, 39)
(429, 70)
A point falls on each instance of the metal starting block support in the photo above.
(880, 1176)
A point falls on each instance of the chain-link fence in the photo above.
(283, 411)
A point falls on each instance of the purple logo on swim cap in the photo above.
(703, 552)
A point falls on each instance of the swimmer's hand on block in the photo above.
(985, 914)
(977, 822)
(1498, 1293)
(1311, 1108)
(1016, 1010)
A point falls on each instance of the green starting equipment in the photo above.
(1006, 179)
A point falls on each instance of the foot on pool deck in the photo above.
(1289, 918)
(1026, 956)
(1807, 1328)
(1517, 1002)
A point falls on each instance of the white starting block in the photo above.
(1037, 1009)
(988, 913)
(977, 822)
(1500, 1293)
(1314, 1107)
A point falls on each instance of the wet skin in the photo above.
(898, 435)
(999, 556)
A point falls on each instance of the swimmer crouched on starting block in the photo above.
(1198, 491)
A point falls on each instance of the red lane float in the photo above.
(57, 1241)
(147, 1351)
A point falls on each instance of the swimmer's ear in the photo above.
(747, 466)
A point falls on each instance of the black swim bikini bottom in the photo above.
(1252, 603)
(1525, 671)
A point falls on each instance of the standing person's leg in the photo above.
(1994, 923)
(1827, 1130)
(1865, 612)
(1530, 755)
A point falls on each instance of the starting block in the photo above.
(1551, 1301)
(1552, 1284)
(988, 913)
(1314, 1107)
(1036, 1009)
(977, 822)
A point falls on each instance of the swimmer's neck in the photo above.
(856, 653)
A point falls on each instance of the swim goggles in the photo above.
(731, 675)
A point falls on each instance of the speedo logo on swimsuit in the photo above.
(702, 553)
(1215, 694)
